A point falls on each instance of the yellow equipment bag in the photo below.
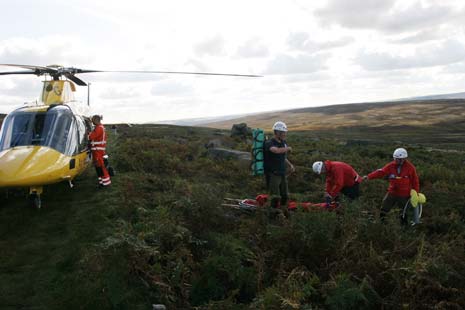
(421, 198)
(417, 198)
(414, 198)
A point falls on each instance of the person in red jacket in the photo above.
(98, 142)
(340, 178)
(402, 177)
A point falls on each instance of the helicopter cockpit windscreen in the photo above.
(56, 128)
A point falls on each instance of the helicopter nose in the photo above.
(30, 165)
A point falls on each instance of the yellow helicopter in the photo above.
(47, 142)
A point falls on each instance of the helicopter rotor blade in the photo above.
(184, 72)
(76, 70)
(75, 79)
(34, 68)
(37, 70)
(56, 71)
(17, 72)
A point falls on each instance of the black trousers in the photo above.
(352, 192)
(389, 202)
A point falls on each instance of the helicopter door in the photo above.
(61, 130)
(83, 132)
(72, 138)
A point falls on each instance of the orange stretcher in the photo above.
(261, 200)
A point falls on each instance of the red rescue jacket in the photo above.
(400, 183)
(338, 176)
(98, 139)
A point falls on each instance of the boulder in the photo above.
(214, 143)
(222, 153)
(241, 131)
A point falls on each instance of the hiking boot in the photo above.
(412, 224)
(282, 219)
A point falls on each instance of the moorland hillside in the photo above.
(160, 235)
(415, 113)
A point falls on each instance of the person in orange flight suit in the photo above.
(98, 142)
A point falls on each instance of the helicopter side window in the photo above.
(57, 122)
(71, 138)
(83, 134)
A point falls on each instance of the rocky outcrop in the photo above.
(223, 153)
(241, 131)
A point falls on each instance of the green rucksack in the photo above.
(258, 154)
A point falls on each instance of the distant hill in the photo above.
(436, 97)
(377, 114)
(201, 120)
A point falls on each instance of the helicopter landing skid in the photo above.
(34, 197)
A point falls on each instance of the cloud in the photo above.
(298, 40)
(429, 34)
(119, 93)
(383, 15)
(210, 47)
(457, 68)
(302, 41)
(354, 14)
(313, 64)
(416, 17)
(308, 78)
(26, 87)
(10, 103)
(449, 52)
(172, 88)
(196, 65)
(253, 48)
(303, 63)
(17, 90)
(43, 51)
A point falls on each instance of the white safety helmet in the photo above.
(400, 153)
(317, 166)
(280, 126)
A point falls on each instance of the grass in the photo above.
(160, 235)
(41, 247)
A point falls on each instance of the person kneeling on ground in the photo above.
(340, 178)
(402, 177)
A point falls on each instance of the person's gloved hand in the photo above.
(328, 199)
(292, 169)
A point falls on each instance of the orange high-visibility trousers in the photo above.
(102, 172)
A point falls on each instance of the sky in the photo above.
(310, 53)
